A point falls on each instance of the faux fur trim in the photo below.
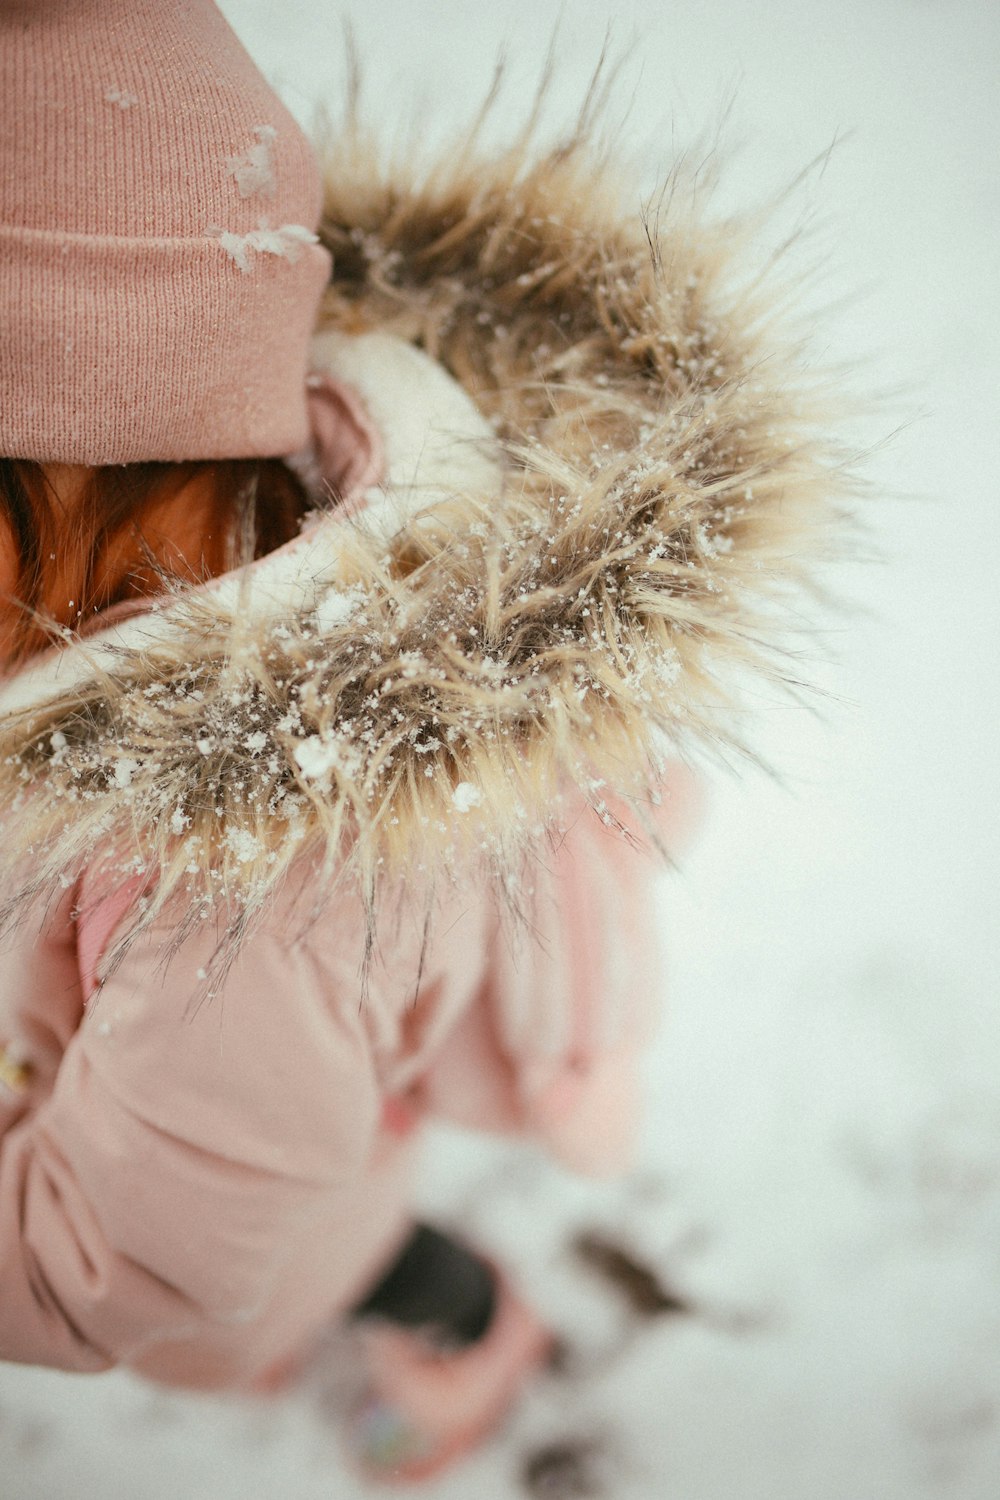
(668, 485)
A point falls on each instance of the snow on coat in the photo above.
(664, 488)
(603, 475)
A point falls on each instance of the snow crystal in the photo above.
(285, 242)
(668, 668)
(124, 769)
(466, 796)
(712, 546)
(178, 821)
(336, 607)
(315, 756)
(256, 741)
(121, 97)
(254, 169)
(243, 844)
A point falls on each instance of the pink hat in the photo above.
(159, 274)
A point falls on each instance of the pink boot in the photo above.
(424, 1408)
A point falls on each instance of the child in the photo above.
(345, 579)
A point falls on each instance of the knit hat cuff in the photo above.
(136, 349)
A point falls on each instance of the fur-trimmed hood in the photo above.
(635, 481)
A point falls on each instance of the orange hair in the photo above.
(115, 542)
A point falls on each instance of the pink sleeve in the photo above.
(570, 998)
(157, 1194)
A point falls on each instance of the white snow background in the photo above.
(821, 1170)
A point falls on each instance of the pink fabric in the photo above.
(346, 445)
(193, 1189)
(101, 913)
(553, 1051)
(158, 287)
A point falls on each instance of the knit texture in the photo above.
(159, 273)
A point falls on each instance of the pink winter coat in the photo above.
(376, 771)
(193, 1186)
(195, 1194)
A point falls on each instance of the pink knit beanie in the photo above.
(159, 274)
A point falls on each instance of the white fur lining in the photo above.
(436, 445)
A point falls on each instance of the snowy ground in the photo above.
(820, 1193)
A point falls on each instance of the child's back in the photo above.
(309, 849)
